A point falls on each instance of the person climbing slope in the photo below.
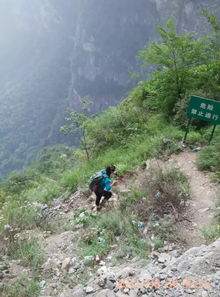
(100, 184)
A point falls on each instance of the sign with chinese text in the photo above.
(204, 109)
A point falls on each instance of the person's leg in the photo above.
(107, 195)
(98, 197)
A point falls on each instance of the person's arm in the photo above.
(108, 184)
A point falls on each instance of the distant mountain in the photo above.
(54, 52)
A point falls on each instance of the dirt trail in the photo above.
(202, 203)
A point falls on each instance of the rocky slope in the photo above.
(172, 270)
(195, 273)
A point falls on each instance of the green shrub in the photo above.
(18, 182)
(116, 223)
(82, 216)
(71, 179)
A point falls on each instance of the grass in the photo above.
(109, 229)
(19, 214)
(163, 230)
(23, 287)
(44, 193)
(130, 198)
(28, 251)
(212, 233)
(209, 158)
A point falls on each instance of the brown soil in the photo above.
(202, 201)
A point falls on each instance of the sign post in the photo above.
(205, 110)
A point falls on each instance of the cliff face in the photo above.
(53, 53)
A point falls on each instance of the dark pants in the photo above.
(99, 195)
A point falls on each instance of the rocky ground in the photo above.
(174, 270)
(195, 273)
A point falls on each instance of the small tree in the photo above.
(173, 59)
(79, 123)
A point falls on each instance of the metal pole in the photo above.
(213, 130)
(187, 129)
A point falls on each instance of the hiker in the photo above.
(100, 184)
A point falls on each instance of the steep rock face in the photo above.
(53, 53)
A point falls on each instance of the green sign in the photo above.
(204, 109)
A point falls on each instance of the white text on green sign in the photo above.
(204, 109)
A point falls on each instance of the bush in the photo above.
(165, 189)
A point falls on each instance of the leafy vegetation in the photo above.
(176, 58)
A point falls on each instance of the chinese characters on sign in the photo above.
(204, 109)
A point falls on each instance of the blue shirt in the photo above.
(105, 183)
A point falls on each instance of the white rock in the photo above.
(89, 290)
(42, 283)
(7, 227)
